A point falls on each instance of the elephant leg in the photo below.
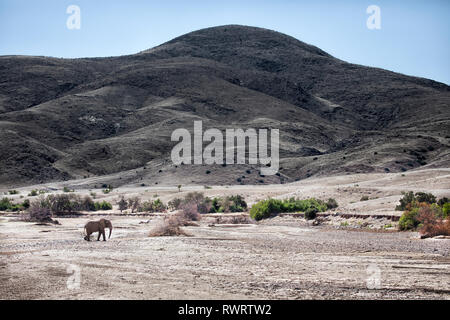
(104, 237)
(99, 233)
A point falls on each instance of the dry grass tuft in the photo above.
(431, 225)
(242, 219)
(171, 225)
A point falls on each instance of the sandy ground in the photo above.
(279, 258)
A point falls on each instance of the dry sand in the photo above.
(279, 258)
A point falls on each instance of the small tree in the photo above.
(134, 203)
(123, 205)
(179, 188)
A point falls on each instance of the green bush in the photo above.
(410, 197)
(446, 210)
(410, 219)
(234, 203)
(13, 192)
(153, 206)
(33, 193)
(103, 206)
(265, 208)
(5, 204)
(443, 201)
(425, 197)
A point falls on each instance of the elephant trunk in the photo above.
(110, 230)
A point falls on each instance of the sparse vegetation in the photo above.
(234, 203)
(410, 197)
(62, 204)
(364, 198)
(153, 206)
(7, 205)
(39, 211)
(423, 213)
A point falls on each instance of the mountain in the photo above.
(64, 119)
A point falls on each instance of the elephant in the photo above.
(97, 226)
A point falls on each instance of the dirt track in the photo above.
(281, 258)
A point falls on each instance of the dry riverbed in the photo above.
(280, 258)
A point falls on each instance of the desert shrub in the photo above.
(20, 207)
(5, 204)
(205, 206)
(153, 206)
(242, 219)
(123, 204)
(265, 208)
(331, 203)
(425, 197)
(13, 192)
(238, 203)
(443, 201)
(410, 197)
(87, 204)
(159, 206)
(234, 203)
(195, 197)
(175, 204)
(39, 211)
(26, 204)
(33, 193)
(66, 189)
(170, 226)
(64, 203)
(311, 213)
(410, 218)
(446, 210)
(189, 212)
(104, 205)
(134, 204)
(364, 198)
(431, 224)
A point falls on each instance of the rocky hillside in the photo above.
(62, 119)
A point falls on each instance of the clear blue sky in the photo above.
(414, 35)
